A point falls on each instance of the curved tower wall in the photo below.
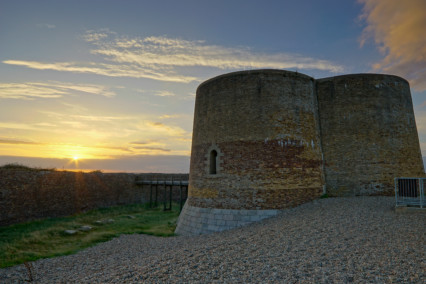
(255, 149)
(368, 131)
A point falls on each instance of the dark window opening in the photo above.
(213, 158)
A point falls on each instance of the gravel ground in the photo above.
(334, 240)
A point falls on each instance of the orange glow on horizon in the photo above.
(76, 153)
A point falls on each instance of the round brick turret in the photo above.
(265, 140)
(368, 132)
(255, 149)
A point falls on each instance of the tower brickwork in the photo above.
(265, 140)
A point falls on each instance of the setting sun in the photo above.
(75, 158)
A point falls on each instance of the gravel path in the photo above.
(334, 240)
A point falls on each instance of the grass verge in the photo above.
(30, 241)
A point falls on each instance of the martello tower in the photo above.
(265, 140)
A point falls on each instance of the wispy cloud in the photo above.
(99, 118)
(149, 146)
(110, 70)
(164, 94)
(49, 26)
(99, 146)
(151, 149)
(168, 130)
(161, 58)
(170, 52)
(18, 126)
(110, 127)
(169, 116)
(123, 149)
(98, 35)
(97, 127)
(46, 90)
(18, 141)
(398, 28)
(144, 142)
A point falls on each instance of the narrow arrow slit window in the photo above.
(213, 162)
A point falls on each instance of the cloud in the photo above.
(26, 142)
(166, 129)
(123, 149)
(92, 118)
(169, 52)
(75, 108)
(151, 148)
(144, 142)
(94, 36)
(110, 70)
(168, 116)
(17, 126)
(28, 91)
(163, 127)
(49, 26)
(110, 128)
(45, 124)
(162, 58)
(52, 89)
(398, 28)
(165, 94)
(102, 118)
(97, 127)
(18, 142)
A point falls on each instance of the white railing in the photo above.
(410, 192)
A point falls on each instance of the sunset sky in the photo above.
(112, 83)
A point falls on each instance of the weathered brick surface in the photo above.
(369, 135)
(27, 195)
(282, 138)
(264, 126)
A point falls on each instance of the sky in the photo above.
(110, 85)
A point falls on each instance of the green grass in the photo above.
(325, 195)
(30, 241)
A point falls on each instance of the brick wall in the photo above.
(27, 195)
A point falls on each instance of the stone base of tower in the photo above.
(197, 221)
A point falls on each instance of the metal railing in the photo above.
(410, 192)
(166, 185)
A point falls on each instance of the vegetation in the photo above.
(30, 241)
(16, 166)
(325, 195)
